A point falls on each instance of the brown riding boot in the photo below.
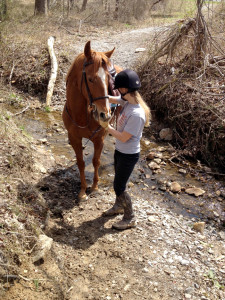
(115, 210)
(128, 220)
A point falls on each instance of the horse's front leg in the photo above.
(77, 146)
(98, 145)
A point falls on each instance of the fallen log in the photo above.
(54, 68)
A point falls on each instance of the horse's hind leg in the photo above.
(76, 143)
(98, 145)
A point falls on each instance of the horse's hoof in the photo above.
(82, 197)
(94, 188)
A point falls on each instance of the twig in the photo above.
(6, 265)
(31, 279)
(11, 73)
(26, 108)
(26, 236)
(183, 229)
(8, 276)
(67, 30)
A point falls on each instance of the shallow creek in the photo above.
(48, 129)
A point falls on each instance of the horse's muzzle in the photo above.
(104, 117)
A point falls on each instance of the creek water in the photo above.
(48, 127)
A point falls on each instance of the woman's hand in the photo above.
(122, 136)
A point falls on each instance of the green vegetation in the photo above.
(47, 109)
(211, 275)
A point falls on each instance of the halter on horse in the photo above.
(87, 112)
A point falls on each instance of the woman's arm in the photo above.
(121, 136)
(114, 99)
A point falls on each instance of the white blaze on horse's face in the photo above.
(102, 75)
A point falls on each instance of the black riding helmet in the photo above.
(127, 79)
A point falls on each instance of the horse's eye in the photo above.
(91, 80)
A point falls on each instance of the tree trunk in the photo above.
(3, 9)
(84, 5)
(71, 3)
(41, 7)
(116, 9)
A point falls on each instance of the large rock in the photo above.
(166, 134)
(44, 245)
(195, 191)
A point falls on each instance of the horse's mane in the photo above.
(99, 60)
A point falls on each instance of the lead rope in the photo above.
(98, 129)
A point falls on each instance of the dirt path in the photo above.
(163, 258)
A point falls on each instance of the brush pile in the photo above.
(183, 82)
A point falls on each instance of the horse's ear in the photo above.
(109, 53)
(87, 50)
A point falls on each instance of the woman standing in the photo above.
(134, 116)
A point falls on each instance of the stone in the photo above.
(195, 191)
(199, 227)
(222, 235)
(182, 171)
(157, 160)
(151, 219)
(175, 187)
(166, 134)
(44, 245)
(140, 50)
(150, 155)
(153, 165)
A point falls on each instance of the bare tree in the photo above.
(116, 9)
(3, 9)
(41, 7)
(84, 5)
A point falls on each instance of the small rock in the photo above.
(150, 155)
(166, 134)
(43, 141)
(147, 143)
(187, 296)
(40, 168)
(199, 226)
(184, 262)
(145, 270)
(216, 214)
(44, 245)
(140, 50)
(151, 219)
(195, 191)
(157, 160)
(175, 187)
(222, 235)
(162, 188)
(126, 288)
(182, 171)
(153, 165)
(161, 149)
(218, 193)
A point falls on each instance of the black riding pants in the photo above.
(124, 165)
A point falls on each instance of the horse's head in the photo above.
(94, 82)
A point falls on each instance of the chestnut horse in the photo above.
(87, 111)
